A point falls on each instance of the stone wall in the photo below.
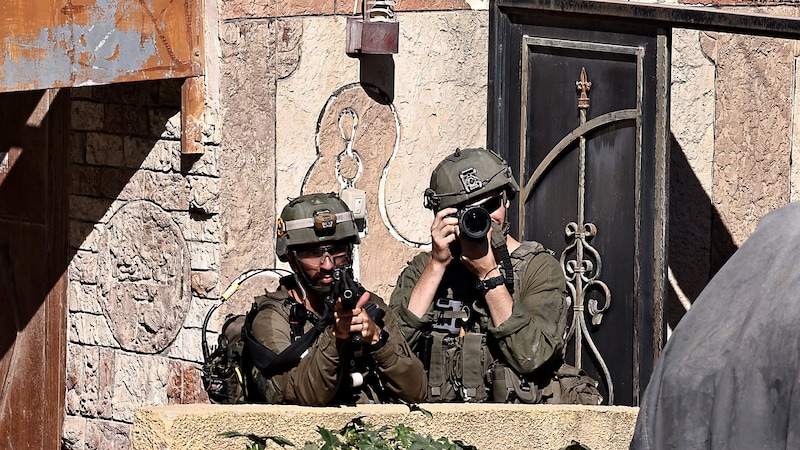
(486, 426)
(144, 237)
(156, 236)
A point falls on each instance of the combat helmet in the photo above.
(314, 218)
(467, 174)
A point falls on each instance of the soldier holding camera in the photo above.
(329, 340)
(485, 313)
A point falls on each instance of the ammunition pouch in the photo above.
(458, 368)
(509, 387)
(571, 386)
(461, 369)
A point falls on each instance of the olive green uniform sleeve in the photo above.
(534, 333)
(401, 371)
(410, 325)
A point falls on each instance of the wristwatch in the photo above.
(489, 283)
(382, 339)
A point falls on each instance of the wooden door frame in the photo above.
(59, 118)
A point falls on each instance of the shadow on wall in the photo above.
(141, 203)
(113, 130)
(699, 243)
(107, 153)
(378, 71)
(31, 136)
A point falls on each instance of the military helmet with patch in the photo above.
(314, 218)
(467, 174)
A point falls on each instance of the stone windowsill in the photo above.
(487, 426)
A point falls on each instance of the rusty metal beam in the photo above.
(65, 43)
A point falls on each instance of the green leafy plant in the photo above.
(358, 434)
(363, 436)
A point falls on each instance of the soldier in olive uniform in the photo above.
(315, 235)
(485, 313)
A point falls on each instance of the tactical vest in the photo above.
(460, 362)
(234, 369)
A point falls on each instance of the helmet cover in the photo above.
(312, 219)
(468, 174)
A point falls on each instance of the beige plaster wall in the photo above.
(485, 426)
(432, 99)
(733, 149)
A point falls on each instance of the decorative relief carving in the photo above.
(288, 33)
(143, 277)
(357, 137)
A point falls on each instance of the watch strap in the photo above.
(489, 283)
(383, 338)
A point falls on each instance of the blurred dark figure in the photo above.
(728, 376)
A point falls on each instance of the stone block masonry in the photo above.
(143, 236)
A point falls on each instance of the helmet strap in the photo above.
(299, 285)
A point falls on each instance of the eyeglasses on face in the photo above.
(315, 256)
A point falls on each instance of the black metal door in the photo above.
(578, 107)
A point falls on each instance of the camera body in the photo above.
(474, 221)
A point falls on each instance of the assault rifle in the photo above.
(349, 290)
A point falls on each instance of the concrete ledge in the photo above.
(487, 426)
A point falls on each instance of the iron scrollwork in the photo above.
(583, 272)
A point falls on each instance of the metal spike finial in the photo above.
(584, 85)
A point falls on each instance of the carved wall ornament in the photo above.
(143, 276)
(357, 138)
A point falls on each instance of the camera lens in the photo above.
(474, 222)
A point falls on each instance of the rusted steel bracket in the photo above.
(192, 107)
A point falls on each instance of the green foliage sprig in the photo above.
(357, 434)
(363, 436)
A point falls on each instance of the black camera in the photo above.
(474, 221)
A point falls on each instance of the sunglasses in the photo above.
(491, 204)
(315, 256)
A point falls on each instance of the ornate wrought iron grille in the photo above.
(581, 262)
